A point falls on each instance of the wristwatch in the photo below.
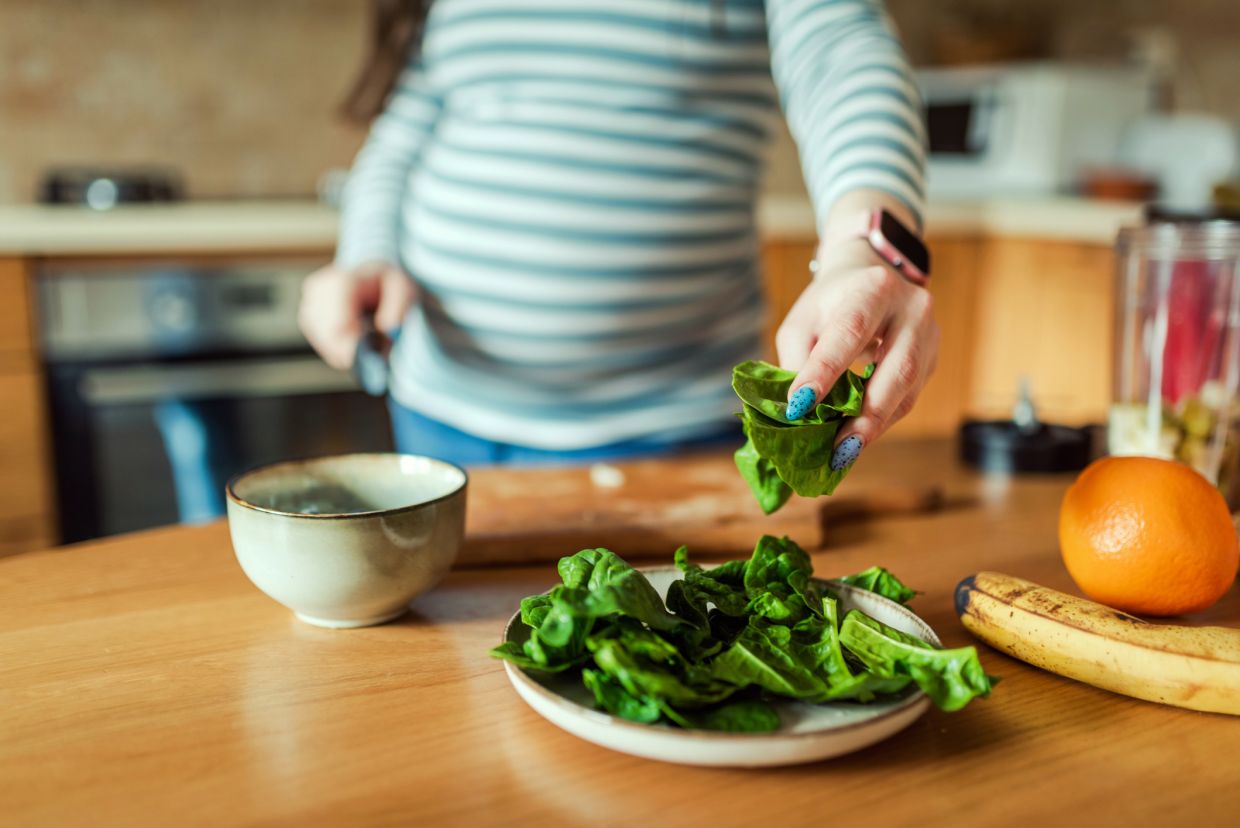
(894, 243)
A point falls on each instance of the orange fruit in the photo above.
(1148, 536)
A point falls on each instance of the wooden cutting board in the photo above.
(645, 510)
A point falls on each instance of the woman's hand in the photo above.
(859, 309)
(335, 302)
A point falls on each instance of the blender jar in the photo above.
(1177, 349)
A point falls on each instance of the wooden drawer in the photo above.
(25, 534)
(26, 511)
(16, 335)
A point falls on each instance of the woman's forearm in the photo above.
(370, 220)
(851, 104)
(842, 219)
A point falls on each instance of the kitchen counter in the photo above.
(145, 681)
(1061, 218)
(236, 226)
(194, 226)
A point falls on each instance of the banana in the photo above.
(1193, 667)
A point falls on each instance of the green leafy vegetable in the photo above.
(951, 678)
(728, 640)
(613, 698)
(763, 479)
(782, 456)
(880, 581)
(738, 717)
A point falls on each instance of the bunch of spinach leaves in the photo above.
(782, 456)
(728, 640)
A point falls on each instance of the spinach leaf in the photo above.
(751, 716)
(951, 678)
(534, 609)
(619, 702)
(781, 456)
(512, 651)
(846, 395)
(761, 656)
(730, 575)
(880, 581)
(820, 639)
(763, 479)
(645, 665)
(703, 598)
(557, 642)
(613, 586)
(778, 581)
(723, 586)
(801, 454)
(764, 387)
(597, 583)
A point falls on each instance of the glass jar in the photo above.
(1177, 347)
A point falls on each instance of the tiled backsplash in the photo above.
(237, 95)
(240, 96)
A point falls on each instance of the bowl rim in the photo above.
(233, 497)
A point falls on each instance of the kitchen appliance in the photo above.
(164, 379)
(1026, 129)
(1024, 443)
(1177, 346)
(103, 189)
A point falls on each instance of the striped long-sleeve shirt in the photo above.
(571, 183)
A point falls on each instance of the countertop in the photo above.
(240, 226)
(145, 681)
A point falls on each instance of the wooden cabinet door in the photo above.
(16, 337)
(1045, 311)
(25, 479)
(26, 512)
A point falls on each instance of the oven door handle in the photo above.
(232, 379)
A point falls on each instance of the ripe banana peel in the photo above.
(1193, 667)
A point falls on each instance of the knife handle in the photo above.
(370, 362)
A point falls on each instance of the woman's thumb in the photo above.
(396, 295)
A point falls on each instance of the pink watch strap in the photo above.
(868, 225)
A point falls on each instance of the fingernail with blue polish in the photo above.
(800, 404)
(846, 452)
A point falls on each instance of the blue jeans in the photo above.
(417, 434)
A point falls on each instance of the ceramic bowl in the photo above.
(348, 541)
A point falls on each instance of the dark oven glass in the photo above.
(142, 446)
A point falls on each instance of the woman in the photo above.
(556, 207)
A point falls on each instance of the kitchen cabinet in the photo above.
(26, 512)
(1046, 313)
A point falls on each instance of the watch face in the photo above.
(903, 240)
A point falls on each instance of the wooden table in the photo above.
(143, 680)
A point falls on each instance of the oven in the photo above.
(164, 379)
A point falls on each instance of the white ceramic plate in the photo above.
(808, 732)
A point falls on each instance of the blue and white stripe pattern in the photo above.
(572, 184)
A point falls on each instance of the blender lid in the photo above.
(1155, 213)
(1212, 237)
